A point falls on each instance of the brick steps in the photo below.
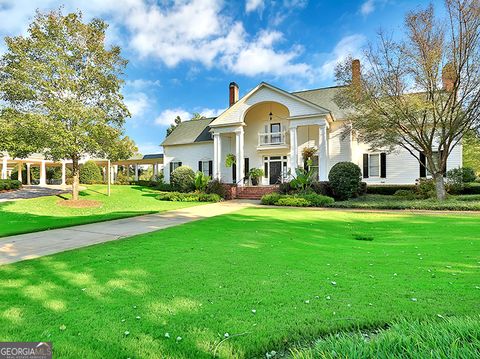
(254, 192)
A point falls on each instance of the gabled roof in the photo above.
(190, 132)
(218, 121)
(324, 97)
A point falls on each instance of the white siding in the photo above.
(339, 145)
(189, 155)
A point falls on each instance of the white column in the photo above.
(64, 173)
(322, 154)
(293, 150)
(28, 174)
(115, 172)
(4, 167)
(155, 171)
(136, 171)
(43, 174)
(239, 143)
(19, 169)
(217, 156)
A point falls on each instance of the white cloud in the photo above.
(142, 83)
(252, 5)
(349, 45)
(367, 7)
(167, 117)
(137, 103)
(149, 148)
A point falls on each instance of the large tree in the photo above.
(421, 92)
(61, 88)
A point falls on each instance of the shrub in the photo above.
(468, 175)
(9, 184)
(471, 188)
(362, 189)
(345, 178)
(388, 190)
(318, 200)
(201, 181)
(454, 183)
(162, 186)
(217, 187)
(293, 202)
(425, 188)
(322, 188)
(303, 179)
(182, 179)
(188, 197)
(270, 198)
(284, 188)
(90, 173)
(298, 200)
(405, 193)
(122, 178)
(145, 183)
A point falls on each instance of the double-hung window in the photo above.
(374, 165)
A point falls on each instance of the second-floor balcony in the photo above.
(272, 139)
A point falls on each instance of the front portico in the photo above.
(268, 129)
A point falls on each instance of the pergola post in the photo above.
(43, 174)
(109, 180)
(20, 168)
(136, 172)
(28, 174)
(64, 174)
(155, 171)
(4, 167)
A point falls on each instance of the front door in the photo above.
(275, 171)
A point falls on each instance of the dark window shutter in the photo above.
(305, 165)
(179, 164)
(383, 165)
(266, 169)
(423, 169)
(247, 166)
(171, 167)
(234, 173)
(210, 168)
(365, 165)
(200, 166)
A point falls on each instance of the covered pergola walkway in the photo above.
(8, 165)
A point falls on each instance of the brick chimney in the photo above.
(233, 91)
(356, 77)
(448, 77)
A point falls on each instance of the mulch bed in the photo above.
(81, 203)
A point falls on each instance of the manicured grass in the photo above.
(377, 201)
(43, 213)
(306, 273)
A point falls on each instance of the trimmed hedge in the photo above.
(388, 190)
(297, 200)
(182, 179)
(188, 197)
(9, 184)
(345, 179)
(144, 183)
(471, 188)
(90, 173)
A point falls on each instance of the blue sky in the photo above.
(183, 54)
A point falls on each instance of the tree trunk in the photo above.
(76, 177)
(440, 187)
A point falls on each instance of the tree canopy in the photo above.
(420, 93)
(61, 87)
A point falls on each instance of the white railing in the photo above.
(272, 138)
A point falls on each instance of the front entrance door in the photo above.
(275, 171)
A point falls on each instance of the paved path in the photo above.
(32, 192)
(33, 245)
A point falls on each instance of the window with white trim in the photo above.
(374, 164)
(175, 165)
(206, 168)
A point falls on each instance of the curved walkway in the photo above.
(38, 244)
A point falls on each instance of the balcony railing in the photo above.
(272, 138)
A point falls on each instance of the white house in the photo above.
(268, 128)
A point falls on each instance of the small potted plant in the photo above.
(255, 174)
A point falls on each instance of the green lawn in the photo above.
(305, 273)
(377, 201)
(43, 213)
